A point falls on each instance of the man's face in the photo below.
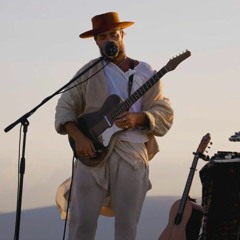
(115, 35)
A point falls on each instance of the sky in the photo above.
(40, 51)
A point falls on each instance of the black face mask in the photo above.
(110, 49)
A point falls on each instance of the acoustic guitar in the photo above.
(99, 125)
(185, 214)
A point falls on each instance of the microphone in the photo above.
(110, 50)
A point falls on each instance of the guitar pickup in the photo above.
(108, 122)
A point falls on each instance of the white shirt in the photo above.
(118, 84)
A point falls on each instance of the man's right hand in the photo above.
(83, 145)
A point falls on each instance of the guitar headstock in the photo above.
(203, 145)
(174, 62)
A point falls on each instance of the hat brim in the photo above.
(97, 31)
(62, 196)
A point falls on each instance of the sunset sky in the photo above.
(40, 51)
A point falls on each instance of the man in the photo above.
(124, 173)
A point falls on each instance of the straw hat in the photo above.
(62, 196)
(105, 22)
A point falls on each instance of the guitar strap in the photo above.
(130, 79)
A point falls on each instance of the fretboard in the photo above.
(186, 190)
(125, 105)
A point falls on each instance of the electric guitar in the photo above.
(185, 215)
(99, 126)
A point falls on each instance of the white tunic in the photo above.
(118, 84)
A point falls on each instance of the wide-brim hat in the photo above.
(62, 197)
(105, 22)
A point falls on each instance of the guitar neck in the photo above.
(170, 66)
(186, 190)
(125, 105)
(199, 154)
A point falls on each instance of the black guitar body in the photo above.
(92, 125)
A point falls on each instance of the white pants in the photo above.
(127, 187)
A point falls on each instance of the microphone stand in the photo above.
(25, 123)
